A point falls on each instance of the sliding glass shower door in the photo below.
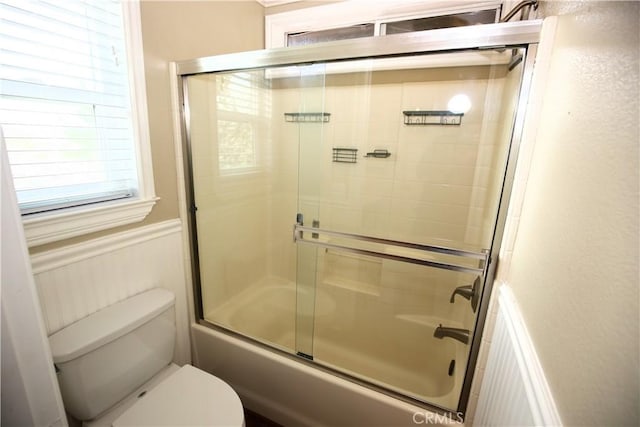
(345, 212)
(400, 175)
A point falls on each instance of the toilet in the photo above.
(115, 368)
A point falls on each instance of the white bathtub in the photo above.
(295, 393)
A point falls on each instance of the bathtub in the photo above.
(295, 392)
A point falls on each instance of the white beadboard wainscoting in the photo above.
(77, 280)
(514, 390)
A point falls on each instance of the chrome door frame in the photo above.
(521, 34)
(488, 36)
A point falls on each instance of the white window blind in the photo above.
(65, 105)
(243, 109)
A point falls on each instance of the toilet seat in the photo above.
(188, 397)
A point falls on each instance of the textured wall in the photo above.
(574, 269)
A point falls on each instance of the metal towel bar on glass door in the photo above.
(481, 256)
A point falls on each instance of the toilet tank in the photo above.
(105, 356)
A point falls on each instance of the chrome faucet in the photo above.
(464, 291)
(461, 335)
(470, 292)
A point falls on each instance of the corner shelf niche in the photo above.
(432, 117)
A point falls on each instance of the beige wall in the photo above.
(179, 30)
(574, 269)
(173, 31)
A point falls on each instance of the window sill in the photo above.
(49, 228)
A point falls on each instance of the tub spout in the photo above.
(461, 335)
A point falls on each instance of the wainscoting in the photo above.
(514, 390)
(77, 280)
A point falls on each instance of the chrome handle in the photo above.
(470, 292)
(465, 292)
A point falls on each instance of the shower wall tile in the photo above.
(375, 223)
(376, 185)
(435, 187)
(347, 134)
(487, 155)
(383, 130)
(386, 100)
(372, 168)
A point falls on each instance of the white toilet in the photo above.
(114, 369)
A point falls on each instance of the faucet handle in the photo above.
(475, 298)
(470, 292)
(465, 292)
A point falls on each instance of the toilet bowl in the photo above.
(114, 369)
(188, 397)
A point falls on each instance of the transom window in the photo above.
(353, 19)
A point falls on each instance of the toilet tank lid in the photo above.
(108, 324)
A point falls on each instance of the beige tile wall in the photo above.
(438, 186)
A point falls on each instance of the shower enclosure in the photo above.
(347, 199)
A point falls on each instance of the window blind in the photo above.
(243, 106)
(65, 105)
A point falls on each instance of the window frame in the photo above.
(52, 226)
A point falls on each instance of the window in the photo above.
(243, 111)
(344, 33)
(72, 115)
(236, 146)
(405, 26)
(353, 19)
(490, 16)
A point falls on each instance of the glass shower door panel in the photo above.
(429, 137)
(243, 200)
(309, 122)
(385, 321)
(400, 214)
